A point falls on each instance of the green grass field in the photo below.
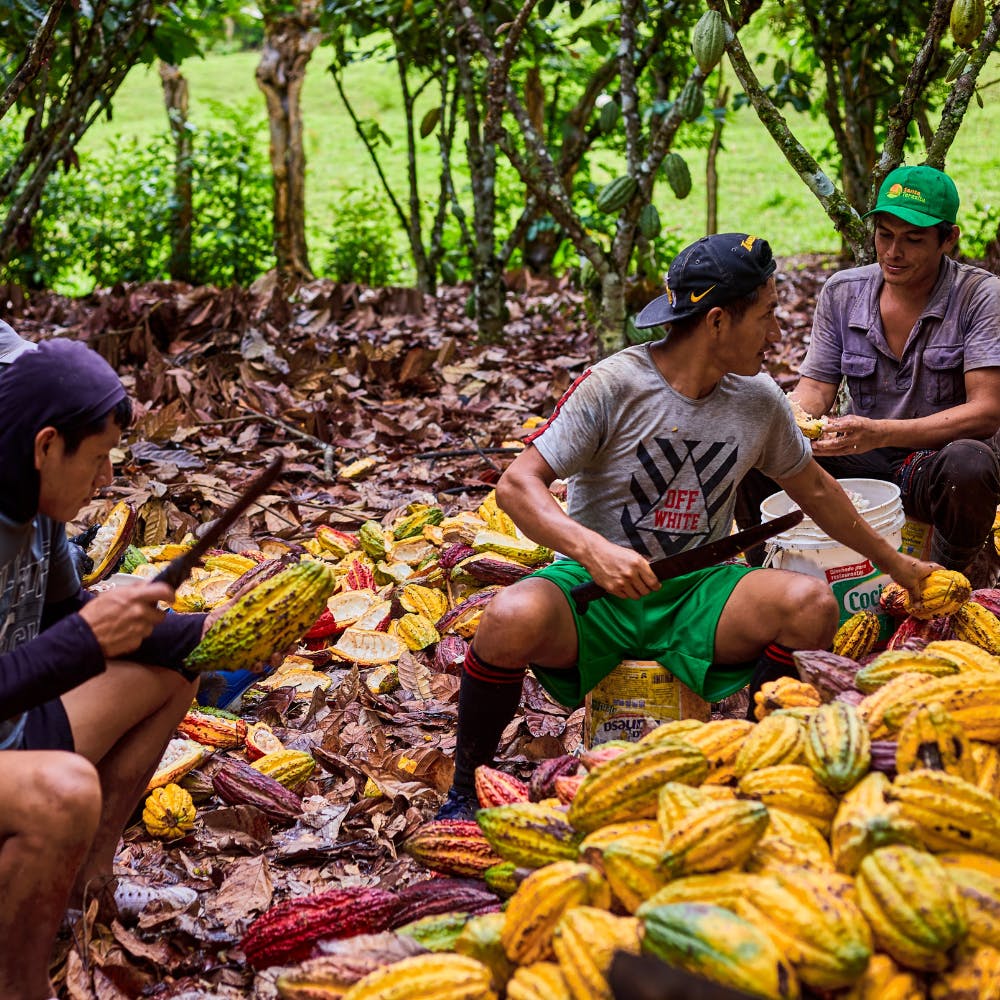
(759, 191)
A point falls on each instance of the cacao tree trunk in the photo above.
(610, 332)
(175, 96)
(289, 42)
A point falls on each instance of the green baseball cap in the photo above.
(923, 196)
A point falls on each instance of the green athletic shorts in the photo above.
(675, 625)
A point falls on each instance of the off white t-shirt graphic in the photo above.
(678, 491)
(653, 470)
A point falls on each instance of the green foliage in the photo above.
(111, 220)
(982, 226)
(363, 248)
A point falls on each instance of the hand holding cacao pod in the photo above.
(122, 617)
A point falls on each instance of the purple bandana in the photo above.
(62, 384)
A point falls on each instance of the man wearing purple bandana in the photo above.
(91, 687)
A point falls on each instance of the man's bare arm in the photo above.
(523, 492)
(816, 398)
(978, 418)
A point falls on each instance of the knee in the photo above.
(514, 619)
(811, 608)
(68, 790)
(972, 466)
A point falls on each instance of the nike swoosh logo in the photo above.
(698, 298)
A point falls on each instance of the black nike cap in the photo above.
(710, 272)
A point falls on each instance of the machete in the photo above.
(700, 557)
(179, 569)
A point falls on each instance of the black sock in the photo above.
(487, 701)
(775, 661)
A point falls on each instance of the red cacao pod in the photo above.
(497, 788)
(442, 895)
(289, 931)
(543, 781)
(452, 847)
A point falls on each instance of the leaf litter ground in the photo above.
(223, 379)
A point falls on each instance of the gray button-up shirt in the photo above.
(958, 331)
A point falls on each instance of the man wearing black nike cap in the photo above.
(653, 442)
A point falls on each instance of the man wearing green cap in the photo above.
(916, 336)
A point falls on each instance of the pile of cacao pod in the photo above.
(846, 844)
(415, 585)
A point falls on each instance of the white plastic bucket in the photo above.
(806, 548)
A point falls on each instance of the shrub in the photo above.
(362, 246)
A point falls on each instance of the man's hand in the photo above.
(849, 435)
(122, 617)
(908, 572)
(619, 570)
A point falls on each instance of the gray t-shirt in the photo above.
(35, 567)
(651, 469)
(958, 331)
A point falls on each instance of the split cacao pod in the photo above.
(213, 730)
(110, 542)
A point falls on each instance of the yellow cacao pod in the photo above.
(974, 976)
(714, 943)
(893, 662)
(942, 592)
(974, 623)
(980, 891)
(793, 788)
(592, 846)
(713, 837)
(858, 634)
(987, 758)
(966, 655)
(726, 889)
(672, 728)
(969, 698)
(540, 902)
(865, 821)
(632, 867)
(291, 768)
(950, 814)
(627, 787)
(823, 934)
(785, 692)
(789, 840)
(426, 977)
(675, 801)
(838, 747)
(912, 906)
(538, 981)
(930, 738)
(905, 688)
(585, 942)
(720, 741)
(884, 979)
(776, 739)
(169, 812)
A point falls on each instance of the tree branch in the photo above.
(35, 59)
